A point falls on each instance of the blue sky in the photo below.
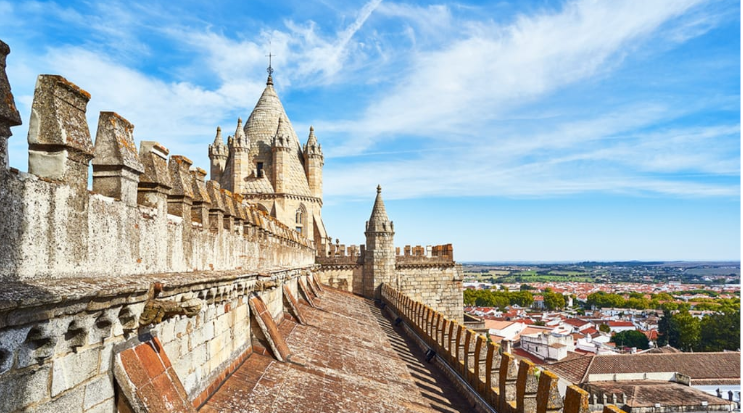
(522, 130)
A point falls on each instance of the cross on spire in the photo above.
(269, 56)
(270, 69)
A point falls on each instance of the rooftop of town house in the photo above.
(576, 322)
(645, 393)
(348, 357)
(703, 368)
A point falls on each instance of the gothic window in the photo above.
(300, 219)
(259, 170)
(299, 216)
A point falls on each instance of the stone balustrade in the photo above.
(495, 379)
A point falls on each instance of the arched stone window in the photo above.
(300, 219)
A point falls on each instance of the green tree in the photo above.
(689, 331)
(601, 299)
(636, 295)
(604, 328)
(554, 301)
(720, 332)
(663, 297)
(631, 338)
(638, 303)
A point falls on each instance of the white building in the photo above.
(549, 346)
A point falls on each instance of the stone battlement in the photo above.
(148, 212)
(495, 379)
(430, 255)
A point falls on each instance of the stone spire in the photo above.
(239, 140)
(312, 147)
(282, 138)
(379, 258)
(378, 222)
(313, 163)
(218, 156)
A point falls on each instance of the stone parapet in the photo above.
(492, 375)
(437, 254)
(137, 220)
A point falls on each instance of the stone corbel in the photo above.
(156, 310)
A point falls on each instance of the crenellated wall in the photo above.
(147, 213)
(153, 254)
(494, 379)
(428, 274)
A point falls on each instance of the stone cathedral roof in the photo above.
(260, 129)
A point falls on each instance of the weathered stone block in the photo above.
(9, 115)
(201, 199)
(99, 390)
(73, 369)
(180, 197)
(58, 136)
(154, 183)
(19, 390)
(116, 166)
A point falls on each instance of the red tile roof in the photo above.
(699, 366)
(576, 322)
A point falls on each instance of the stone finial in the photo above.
(201, 200)
(180, 197)
(240, 141)
(116, 166)
(312, 147)
(155, 182)
(9, 115)
(218, 149)
(58, 136)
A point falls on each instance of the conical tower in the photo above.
(218, 156)
(240, 158)
(379, 258)
(313, 163)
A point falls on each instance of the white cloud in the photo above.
(495, 69)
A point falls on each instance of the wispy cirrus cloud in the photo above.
(462, 103)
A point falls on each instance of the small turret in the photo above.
(218, 156)
(239, 146)
(240, 141)
(313, 163)
(281, 148)
(379, 258)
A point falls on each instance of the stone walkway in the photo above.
(348, 358)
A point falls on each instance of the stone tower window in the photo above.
(300, 218)
(259, 170)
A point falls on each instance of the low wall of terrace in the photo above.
(495, 380)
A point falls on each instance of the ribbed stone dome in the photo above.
(260, 130)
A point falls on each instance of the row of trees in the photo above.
(500, 299)
(504, 298)
(661, 301)
(715, 332)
